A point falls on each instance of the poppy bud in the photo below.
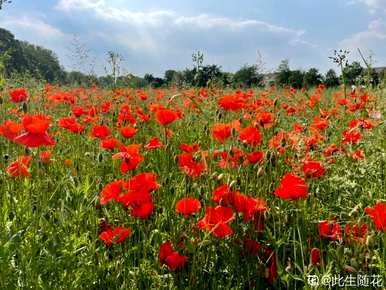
(25, 108)
(100, 157)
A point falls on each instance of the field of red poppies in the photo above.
(192, 189)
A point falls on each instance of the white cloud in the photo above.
(153, 41)
(371, 40)
(374, 6)
(165, 36)
(33, 25)
(79, 4)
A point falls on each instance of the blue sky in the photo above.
(153, 36)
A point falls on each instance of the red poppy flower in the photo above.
(45, 156)
(272, 266)
(247, 205)
(166, 116)
(251, 135)
(190, 148)
(36, 135)
(190, 167)
(19, 167)
(188, 206)
(145, 181)
(331, 230)
(109, 143)
(313, 169)
(252, 247)
(112, 191)
(165, 250)
(105, 107)
(358, 154)
(378, 214)
(216, 220)
(153, 144)
(219, 192)
(361, 123)
(175, 261)
(315, 256)
(172, 259)
(231, 103)
(221, 132)
(78, 111)
(138, 197)
(352, 136)
(320, 123)
(10, 129)
(143, 210)
(18, 95)
(130, 157)
(71, 125)
(292, 187)
(114, 235)
(128, 132)
(100, 131)
(265, 119)
(356, 232)
(255, 157)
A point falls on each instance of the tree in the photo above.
(248, 76)
(312, 78)
(331, 80)
(2, 2)
(153, 81)
(296, 79)
(43, 63)
(353, 73)
(170, 76)
(283, 73)
(14, 61)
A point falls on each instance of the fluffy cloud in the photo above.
(157, 40)
(32, 25)
(374, 6)
(371, 40)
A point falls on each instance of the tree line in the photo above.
(20, 58)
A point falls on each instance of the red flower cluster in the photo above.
(171, 258)
(134, 193)
(216, 221)
(130, 157)
(114, 235)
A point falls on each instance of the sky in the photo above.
(155, 35)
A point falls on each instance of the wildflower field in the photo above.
(191, 189)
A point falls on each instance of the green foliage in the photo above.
(353, 73)
(22, 57)
(331, 80)
(248, 76)
(312, 78)
(283, 73)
